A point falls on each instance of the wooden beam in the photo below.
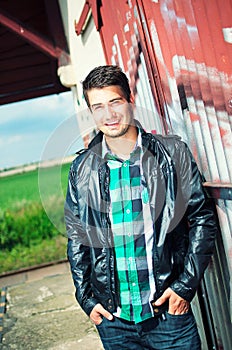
(219, 190)
(82, 19)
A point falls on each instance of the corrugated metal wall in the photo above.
(178, 55)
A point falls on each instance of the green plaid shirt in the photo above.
(133, 234)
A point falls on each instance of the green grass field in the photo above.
(15, 190)
(32, 228)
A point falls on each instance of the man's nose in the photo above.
(109, 111)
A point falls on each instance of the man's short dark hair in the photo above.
(104, 76)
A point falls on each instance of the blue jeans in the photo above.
(176, 332)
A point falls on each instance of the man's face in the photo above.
(111, 112)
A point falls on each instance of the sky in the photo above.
(36, 129)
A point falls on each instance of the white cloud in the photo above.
(47, 106)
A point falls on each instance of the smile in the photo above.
(113, 123)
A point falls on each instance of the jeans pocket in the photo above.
(101, 324)
(177, 332)
(189, 312)
(179, 321)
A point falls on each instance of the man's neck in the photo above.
(122, 146)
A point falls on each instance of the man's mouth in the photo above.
(112, 123)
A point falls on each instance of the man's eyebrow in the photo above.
(97, 104)
(116, 99)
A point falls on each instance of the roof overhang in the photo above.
(32, 47)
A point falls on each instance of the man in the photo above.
(140, 227)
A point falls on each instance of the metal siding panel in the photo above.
(200, 60)
(205, 74)
(195, 304)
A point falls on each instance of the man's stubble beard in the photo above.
(123, 131)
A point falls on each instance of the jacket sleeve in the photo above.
(78, 249)
(202, 222)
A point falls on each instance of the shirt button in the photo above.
(125, 164)
(129, 234)
(133, 284)
(128, 211)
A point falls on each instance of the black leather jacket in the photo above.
(184, 220)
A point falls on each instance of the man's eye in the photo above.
(116, 103)
(97, 108)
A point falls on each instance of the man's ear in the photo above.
(132, 99)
